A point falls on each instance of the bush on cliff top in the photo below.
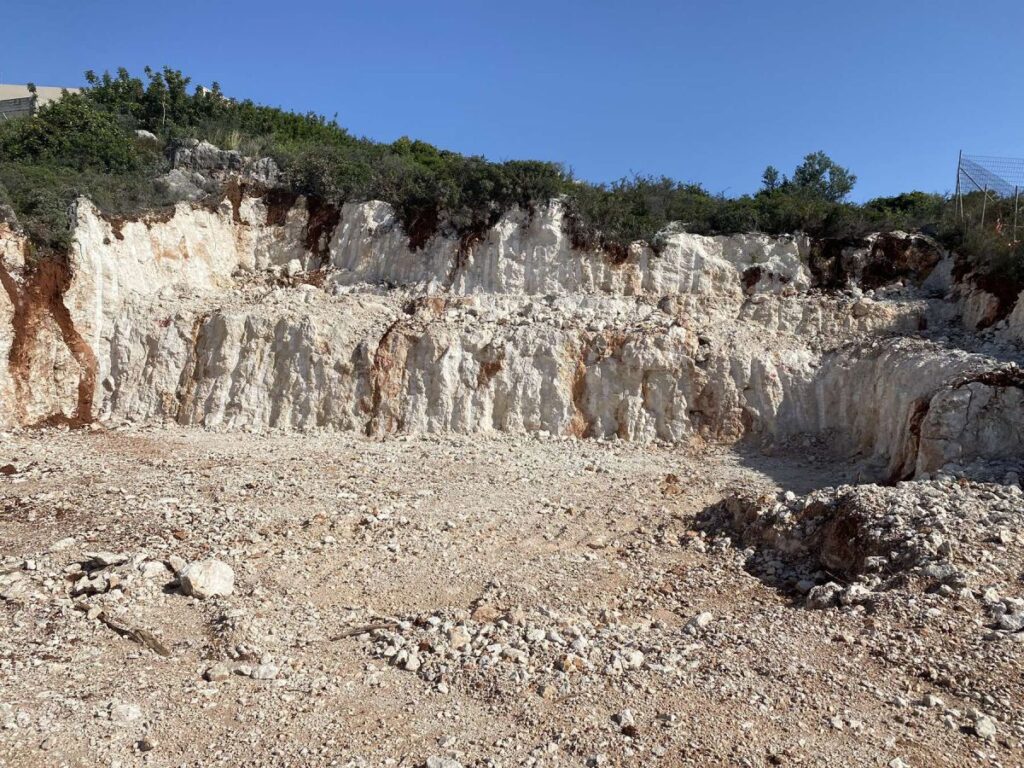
(71, 148)
(85, 144)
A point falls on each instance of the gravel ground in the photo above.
(447, 601)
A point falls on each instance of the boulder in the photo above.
(207, 578)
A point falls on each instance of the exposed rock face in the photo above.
(532, 255)
(875, 261)
(204, 157)
(275, 312)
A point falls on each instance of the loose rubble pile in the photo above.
(544, 651)
(844, 545)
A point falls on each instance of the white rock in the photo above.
(154, 569)
(265, 672)
(207, 578)
(699, 622)
(124, 714)
(984, 726)
(62, 544)
(442, 762)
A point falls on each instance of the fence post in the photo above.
(1016, 199)
(984, 205)
(959, 194)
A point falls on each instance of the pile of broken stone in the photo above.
(541, 649)
(850, 545)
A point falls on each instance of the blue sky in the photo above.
(701, 91)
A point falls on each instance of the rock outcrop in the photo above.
(268, 311)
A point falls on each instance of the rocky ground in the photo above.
(177, 597)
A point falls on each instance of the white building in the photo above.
(16, 100)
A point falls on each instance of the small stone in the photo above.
(984, 726)
(485, 614)
(265, 672)
(459, 637)
(699, 622)
(824, 595)
(207, 578)
(124, 714)
(217, 673)
(442, 762)
(147, 744)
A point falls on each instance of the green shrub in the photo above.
(42, 196)
(73, 133)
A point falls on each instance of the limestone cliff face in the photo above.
(241, 317)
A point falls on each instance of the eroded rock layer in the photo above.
(274, 312)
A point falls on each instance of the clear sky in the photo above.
(708, 91)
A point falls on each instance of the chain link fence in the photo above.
(988, 190)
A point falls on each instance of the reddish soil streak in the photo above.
(42, 295)
(323, 220)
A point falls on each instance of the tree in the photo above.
(821, 176)
(771, 179)
(70, 132)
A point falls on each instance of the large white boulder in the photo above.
(207, 578)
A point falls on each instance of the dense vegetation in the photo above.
(86, 144)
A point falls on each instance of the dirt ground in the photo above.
(445, 601)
